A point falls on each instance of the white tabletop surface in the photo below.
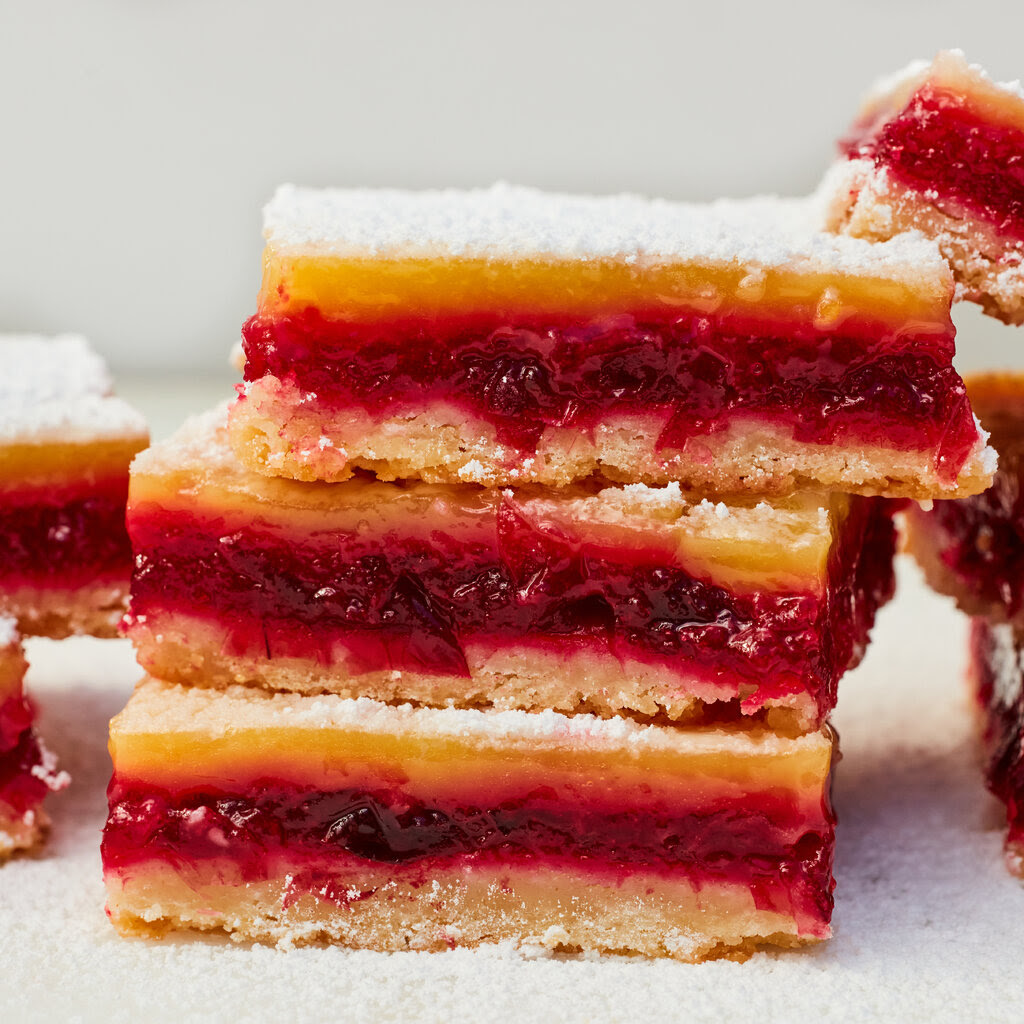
(928, 924)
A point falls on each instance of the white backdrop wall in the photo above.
(141, 137)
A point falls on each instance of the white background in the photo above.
(140, 138)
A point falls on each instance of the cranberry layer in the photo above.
(413, 604)
(64, 540)
(1002, 701)
(763, 844)
(893, 387)
(982, 542)
(15, 717)
(20, 788)
(981, 538)
(937, 144)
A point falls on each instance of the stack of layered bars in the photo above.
(510, 598)
(65, 559)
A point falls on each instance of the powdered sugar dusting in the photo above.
(507, 222)
(58, 389)
(9, 635)
(947, 64)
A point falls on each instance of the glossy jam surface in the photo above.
(938, 143)
(889, 386)
(738, 841)
(64, 540)
(16, 716)
(20, 789)
(409, 603)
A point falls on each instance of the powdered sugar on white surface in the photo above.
(509, 222)
(58, 389)
(929, 926)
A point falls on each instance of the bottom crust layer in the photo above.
(383, 908)
(188, 650)
(277, 431)
(57, 613)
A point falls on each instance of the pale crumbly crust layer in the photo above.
(864, 201)
(189, 650)
(274, 433)
(380, 907)
(86, 611)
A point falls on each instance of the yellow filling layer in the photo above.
(172, 736)
(381, 289)
(35, 465)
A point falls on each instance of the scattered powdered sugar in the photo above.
(200, 440)
(58, 389)
(955, 60)
(508, 222)
(718, 509)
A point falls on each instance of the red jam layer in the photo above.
(938, 144)
(893, 388)
(760, 844)
(981, 539)
(64, 542)
(413, 604)
(21, 789)
(1002, 702)
(15, 717)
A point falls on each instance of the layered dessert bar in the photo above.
(594, 598)
(28, 771)
(505, 337)
(997, 674)
(973, 549)
(65, 446)
(286, 818)
(939, 148)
